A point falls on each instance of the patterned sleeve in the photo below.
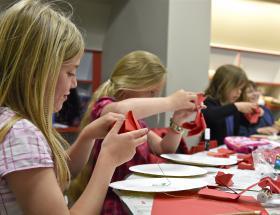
(24, 147)
(99, 105)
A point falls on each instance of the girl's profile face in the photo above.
(234, 94)
(67, 80)
(252, 95)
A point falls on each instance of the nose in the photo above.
(74, 83)
(239, 91)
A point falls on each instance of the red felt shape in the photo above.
(198, 125)
(226, 151)
(274, 185)
(130, 123)
(254, 116)
(218, 194)
(244, 165)
(191, 203)
(224, 179)
(218, 154)
(247, 162)
(221, 153)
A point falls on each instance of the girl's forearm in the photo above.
(141, 107)
(168, 144)
(92, 199)
(79, 153)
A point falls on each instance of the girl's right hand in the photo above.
(182, 99)
(245, 107)
(120, 148)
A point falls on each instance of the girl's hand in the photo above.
(180, 116)
(261, 112)
(120, 148)
(182, 99)
(267, 130)
(100, 127)
(245, 107)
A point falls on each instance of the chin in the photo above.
(57, 108)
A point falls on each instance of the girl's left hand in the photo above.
(180, 116)
(100, 127)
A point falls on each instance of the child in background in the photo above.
(251, 94)
(222, 112)
(40, 52)
(133, 85)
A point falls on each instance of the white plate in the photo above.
(159, 184)
(200, 160)
(176, 170)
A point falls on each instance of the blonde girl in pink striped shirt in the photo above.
(40, 50)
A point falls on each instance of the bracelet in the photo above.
(176, 128)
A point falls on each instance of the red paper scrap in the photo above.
(190, 203)
(198, 125)
(130, 123)
(254, 116)
(218, 154)
(224, 179)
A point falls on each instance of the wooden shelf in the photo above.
(68, 130)
(244, 49)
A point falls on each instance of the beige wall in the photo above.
(246, 23)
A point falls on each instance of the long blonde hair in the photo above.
(226, 78)
(35, 40)
(137, 70)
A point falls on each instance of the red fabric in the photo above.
(201, 147)
(156, 159)
(218, 154)
(247, 162)
(130, 123)
(221, 153)
(198, 125)
(244, 165)
(274, 185)
(218, 194)
(224, 179)
(226, 151)
(193, 204)
(254, 116)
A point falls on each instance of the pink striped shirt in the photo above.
(24, 147)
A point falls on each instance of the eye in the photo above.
(71, 74)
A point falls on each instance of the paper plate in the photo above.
(200, 160)
(159, 184)
(176, 170)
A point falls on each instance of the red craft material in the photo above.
(187, 202)
(130, 123)
(254, 116)
(198, 125)
(224, 179)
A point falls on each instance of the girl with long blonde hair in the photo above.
(135, 84)
(40, 52)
